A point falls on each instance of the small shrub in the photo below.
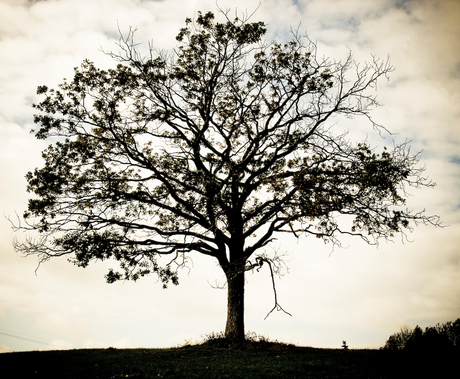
(252, 341)
(215, 339)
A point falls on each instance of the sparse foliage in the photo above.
(215, 148)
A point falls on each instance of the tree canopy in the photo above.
(213, 148)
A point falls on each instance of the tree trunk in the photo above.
(234, 330)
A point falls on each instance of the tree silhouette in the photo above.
(214, 148)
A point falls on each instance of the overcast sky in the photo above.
(360, 293)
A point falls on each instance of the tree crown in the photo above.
(214, 148)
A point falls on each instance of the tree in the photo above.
(398, 341)
(451, 330)
(214, 148)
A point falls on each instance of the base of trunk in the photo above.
(234, 330)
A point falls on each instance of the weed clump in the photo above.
(252, 341)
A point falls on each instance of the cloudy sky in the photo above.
(360, 294)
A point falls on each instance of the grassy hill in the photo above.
(261, 360)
